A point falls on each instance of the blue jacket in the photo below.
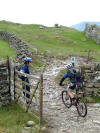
(25, 69)
(66, 75)
(71, 77)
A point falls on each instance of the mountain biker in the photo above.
(73, 81)
(26, 69)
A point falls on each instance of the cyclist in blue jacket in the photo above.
(73, 80)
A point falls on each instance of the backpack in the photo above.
(76, 74)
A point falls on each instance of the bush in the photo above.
(56, 26)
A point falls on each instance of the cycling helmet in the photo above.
(69, 66)
(28, 59)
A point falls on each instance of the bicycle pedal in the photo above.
(74, 102)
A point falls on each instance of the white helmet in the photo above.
(69, 66)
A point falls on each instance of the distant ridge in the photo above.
(81, 26)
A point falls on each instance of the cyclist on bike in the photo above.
(74, 80)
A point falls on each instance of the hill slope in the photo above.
(5, 50)
(81, 26)
(63, 40)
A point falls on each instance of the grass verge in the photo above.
(92, 99)
(13, 119)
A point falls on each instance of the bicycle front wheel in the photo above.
(66, 99)
(81, 108)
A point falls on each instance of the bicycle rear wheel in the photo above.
(66, 99)
(81, 108)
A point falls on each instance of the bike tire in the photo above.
(66, 102)
(81, 108)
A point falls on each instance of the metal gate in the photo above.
(34, 104)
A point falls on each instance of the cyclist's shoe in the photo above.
(61, 84)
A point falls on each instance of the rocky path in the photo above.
(61, 119)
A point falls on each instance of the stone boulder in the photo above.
(30, 123)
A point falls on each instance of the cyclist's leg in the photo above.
(79, 90)
(70, 93)
(70, 90)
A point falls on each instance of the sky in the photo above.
(50, 12)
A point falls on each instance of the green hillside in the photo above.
(5, 50)
(63, 40)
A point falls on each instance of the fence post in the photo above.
(8, 63)
(41, 99)
(14, 82)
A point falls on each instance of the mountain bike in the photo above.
(79, 103)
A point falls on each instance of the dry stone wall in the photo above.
(4, 84)
(92, 80)
(93, 31)
(20, 46)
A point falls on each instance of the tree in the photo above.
(56, 26)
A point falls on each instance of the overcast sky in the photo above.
(50, 12)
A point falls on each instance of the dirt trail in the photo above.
(61, 119)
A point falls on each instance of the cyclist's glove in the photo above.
(61, 81)
(61, 84)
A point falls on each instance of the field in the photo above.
(59, 41)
